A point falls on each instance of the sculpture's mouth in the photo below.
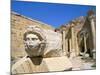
(31, 46)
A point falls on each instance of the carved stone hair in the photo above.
(35, 33)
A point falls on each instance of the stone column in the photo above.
(63, 42)
(76, 44)
(70, 46)
(72, 42)
(93, 34)
(85, 45)
(66, 46)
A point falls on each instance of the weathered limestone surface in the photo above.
(81, 36)
(73, 42)
(58, 44)
(53, 41)
(52, 59)
(93, 30)
(27, 65)
(19, 24)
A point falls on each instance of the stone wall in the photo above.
(18, 27)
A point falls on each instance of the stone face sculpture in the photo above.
(44, 53)
(34, 44)
(40, 42)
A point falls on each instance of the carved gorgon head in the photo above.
(34, 43)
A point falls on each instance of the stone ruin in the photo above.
(50, 41)
(44, 52)
(50, 50)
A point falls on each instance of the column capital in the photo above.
(90, 14)
(72, 23)
(91, 17)
(63, 28)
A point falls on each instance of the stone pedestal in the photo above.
(94, 54)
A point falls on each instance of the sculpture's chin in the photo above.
(33, 51)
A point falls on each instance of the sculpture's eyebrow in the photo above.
(35, 38)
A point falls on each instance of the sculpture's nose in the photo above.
(30, 43)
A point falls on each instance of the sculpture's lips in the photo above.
(31, 46)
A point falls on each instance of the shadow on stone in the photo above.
(36, 60)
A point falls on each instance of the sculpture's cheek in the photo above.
(32, 44)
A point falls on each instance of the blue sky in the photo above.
(50, 13)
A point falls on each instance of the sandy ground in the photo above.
(82, 64)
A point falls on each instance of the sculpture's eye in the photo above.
(27, 38)
(31, 37)
(34, 38)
